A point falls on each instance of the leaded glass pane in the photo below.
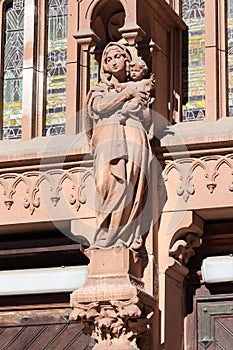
(13, 70)
(56, 65)
(193, 12)
(94, 71)
(230, 57)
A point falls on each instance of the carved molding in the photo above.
(183, 249)
(33, 181)
(86, 38)
(186, 168)
(132, 33)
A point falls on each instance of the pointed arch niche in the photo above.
(151, 29)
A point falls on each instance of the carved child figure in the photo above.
(133, 108)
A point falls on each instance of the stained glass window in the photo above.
(13, 69)
(230, 57)
(193, 12)
(94, 71)
(56, 65)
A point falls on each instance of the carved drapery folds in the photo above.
(112, 304)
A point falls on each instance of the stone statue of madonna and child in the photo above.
(118, 118)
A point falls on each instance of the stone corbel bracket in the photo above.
(115, 321)
(115, 311)
(186, 238)
(184, 248)
(86, 38)
(132, 33)
(180, 234)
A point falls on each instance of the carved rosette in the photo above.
(115, 310)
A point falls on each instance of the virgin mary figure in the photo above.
(122, 155)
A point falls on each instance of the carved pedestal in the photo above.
(112, 304)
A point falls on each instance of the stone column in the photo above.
(85, 40)
(112, 304)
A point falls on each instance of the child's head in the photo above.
(138, 69)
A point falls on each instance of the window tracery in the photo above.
(56, 62)
(13, 70)
(193, 13)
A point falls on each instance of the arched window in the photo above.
(13, 69)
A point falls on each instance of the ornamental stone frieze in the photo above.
(199, 179)
(33, 189)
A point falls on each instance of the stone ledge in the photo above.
(199, 136)
(41, 149)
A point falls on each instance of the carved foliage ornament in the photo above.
(53, 178)
(114, 321)
(183, 249)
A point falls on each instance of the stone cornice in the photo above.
(41, 151)
(195, 139)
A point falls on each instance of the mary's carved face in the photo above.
(115, 61)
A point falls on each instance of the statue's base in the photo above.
(112, 302)
(114, 274)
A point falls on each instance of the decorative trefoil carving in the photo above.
(54, 180)
(186, 169)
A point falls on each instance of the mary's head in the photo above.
(115, 63)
